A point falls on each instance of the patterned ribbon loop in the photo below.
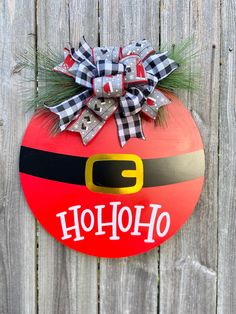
(119, 81)
(107, 67)
(142, 48)
(106, 53)
(85, 74)
(160, 65)
(84, 52)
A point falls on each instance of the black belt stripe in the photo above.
(71, 169)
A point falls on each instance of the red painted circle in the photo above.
(47, 198)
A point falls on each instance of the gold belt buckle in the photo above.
(128, 173)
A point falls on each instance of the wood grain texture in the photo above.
(84, 21)
(188, 262)
(195, 271)
(67, 279)
(227, 164)
(17, 224)
(122, 21)
(129, 285)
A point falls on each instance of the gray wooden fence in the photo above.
(195, 271)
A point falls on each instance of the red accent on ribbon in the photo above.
(150, 102)
(140, 70)
(107, 88)
(68, 62)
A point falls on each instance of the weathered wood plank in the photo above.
(67, 279)
(188, 262)
(84, 21)
(227, 162)
(129, 285)
(17, 224)
(122, 21)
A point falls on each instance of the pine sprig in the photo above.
(54, 87)
(186, 76)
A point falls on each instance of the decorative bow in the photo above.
(116, 80)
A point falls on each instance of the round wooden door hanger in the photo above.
(111, 201)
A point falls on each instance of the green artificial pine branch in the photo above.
(186, 76)
(54, 87)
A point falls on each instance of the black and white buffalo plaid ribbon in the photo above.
(119, 81)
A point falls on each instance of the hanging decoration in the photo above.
(112, 163)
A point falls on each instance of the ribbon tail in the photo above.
(154, 101)
(88, 125)
(93, 118)
(69, 109)
(128, 127)
(102, 107)
(131, 102)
